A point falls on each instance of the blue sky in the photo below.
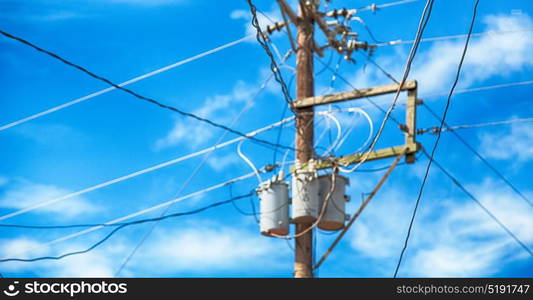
(115, 134)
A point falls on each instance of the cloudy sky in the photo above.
(115, 134)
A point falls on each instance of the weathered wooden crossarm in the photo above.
(356, 94)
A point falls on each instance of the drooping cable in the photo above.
(421, 190)
(139, 96)
(262, 40)
(124, 225)
(446, 128)
(144, 211)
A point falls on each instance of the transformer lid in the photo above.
(265, 185)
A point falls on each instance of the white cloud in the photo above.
(93, 264)
(49, 134)
(452, 262)
(20, 194)
(3, 180)
(210, 248)
(221, 162)
(21, 247)
(488, 56)
(380, 244)
(219, 108)
(452, 238)
(98, 263)
(202, 247)
(514, 143)
(58, 16)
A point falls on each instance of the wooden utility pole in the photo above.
(305, 87)
(306, 101)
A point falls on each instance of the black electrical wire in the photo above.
(485, 209)
(389, 75)
(135, 94)
(370, 33)
(436, 130)
(426, 14)
(123, 225)
(485, 161)
(238, 209)
(437, 140)
(262, 39)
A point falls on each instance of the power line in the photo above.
(116, 223)
(460, 91)
(395, 3)
(485, 161)
(485, 209)
(461, 139)
(374, 7)
(389, 75)
(109, 235)
(262, 40)
(153, 208)
(483, 88)
(140, 172)
(239, 210)
(438, 138)
(150, 100)
(435, 129)
(365, 26)
(125, 83)
(424, 19)
(449, 37)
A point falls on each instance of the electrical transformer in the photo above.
(274, 207)
(334, 216)
(305, 201)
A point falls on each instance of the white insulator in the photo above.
(274, 207)
(335, 214)
(305, 202)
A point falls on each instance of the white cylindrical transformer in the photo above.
(305, 202)
(334, 216)
(274, 207)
